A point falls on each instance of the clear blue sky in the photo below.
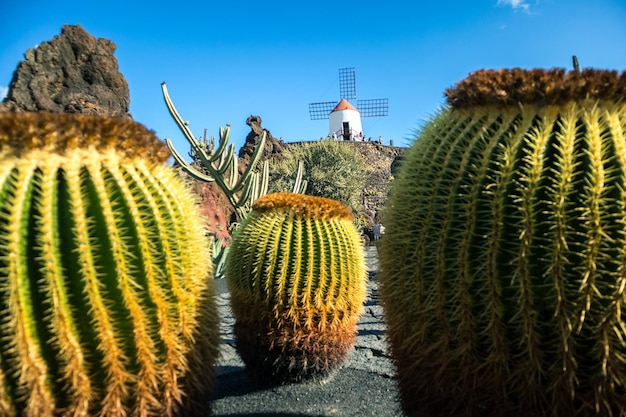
(226, 60)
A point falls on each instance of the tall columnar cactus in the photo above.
(221, 165)
(106, 303)
(504, 260)
(297, 279)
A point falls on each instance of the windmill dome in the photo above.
(345, 122)
(344, 105)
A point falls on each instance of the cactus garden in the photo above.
(137, 282)
(503, 268)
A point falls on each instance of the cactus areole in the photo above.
(296, 274)
(504, 261)
(104, 273)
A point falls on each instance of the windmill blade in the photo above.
(347, 89)
(373, 107)
(321, 110)
(347, 83)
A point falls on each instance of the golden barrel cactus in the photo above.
(106, 301)
(504, 261)
(297, 279)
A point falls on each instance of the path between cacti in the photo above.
(363, 386)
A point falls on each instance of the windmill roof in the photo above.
(344, 105)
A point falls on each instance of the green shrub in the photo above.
(334, 170)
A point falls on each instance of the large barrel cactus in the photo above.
(106, 303)
(504, 262)
(296, 274)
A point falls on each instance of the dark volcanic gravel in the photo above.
(364, 386)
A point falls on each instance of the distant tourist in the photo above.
(376, 231)
(380, 140)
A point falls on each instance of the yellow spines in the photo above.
(304, 206)
(21, 133)
(502, 268)
(106, 296)
(296, 274)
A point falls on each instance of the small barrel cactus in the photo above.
(297, 279)
(106, 299)
(504, 261)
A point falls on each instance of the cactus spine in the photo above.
(296, 274)
(105, 283)
(503, 266)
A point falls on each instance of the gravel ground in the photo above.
(362, 387)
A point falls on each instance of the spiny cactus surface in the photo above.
(504, 263)
(296, 274)
(106, 304)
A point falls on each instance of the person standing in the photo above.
(376, 231)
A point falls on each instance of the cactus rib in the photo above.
(296, 275)
(502, 270)
(103, 309)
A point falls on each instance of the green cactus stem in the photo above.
(220, 165)
(504, 264)
(296, 274)
(106, 303)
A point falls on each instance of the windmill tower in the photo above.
(344, 118)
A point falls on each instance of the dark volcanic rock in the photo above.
(273, 147)
(72, 73)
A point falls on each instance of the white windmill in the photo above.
(344, 118)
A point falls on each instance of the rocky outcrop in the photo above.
(72, 73)
(215, 208)
(214, 204)
(273, 147)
